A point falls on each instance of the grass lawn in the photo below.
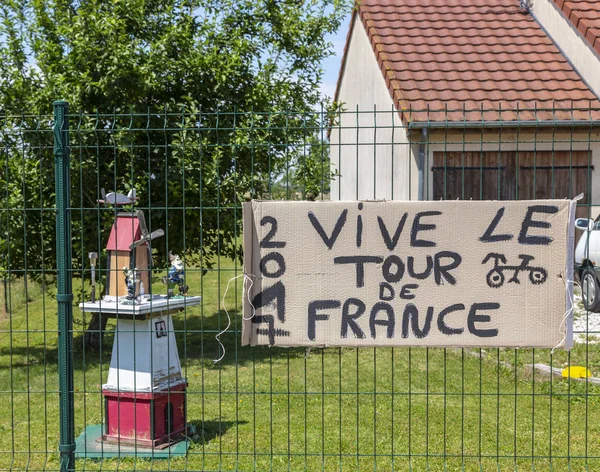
(284, 409)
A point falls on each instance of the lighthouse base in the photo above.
(147, 419)
(89, 445)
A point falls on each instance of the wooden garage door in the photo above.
(494, 175)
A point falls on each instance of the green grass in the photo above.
(333, 409)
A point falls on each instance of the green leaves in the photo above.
(200, 59)
(104, 54)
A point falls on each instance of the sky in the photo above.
(332, 64)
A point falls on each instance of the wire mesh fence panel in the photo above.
(155, 207)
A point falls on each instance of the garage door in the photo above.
(510, 175)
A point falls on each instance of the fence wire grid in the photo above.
(275, 409)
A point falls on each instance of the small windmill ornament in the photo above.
(145, 240)
(146, 237)
(128, 247)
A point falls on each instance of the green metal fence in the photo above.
(276, 409)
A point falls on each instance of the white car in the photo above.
(587, 261)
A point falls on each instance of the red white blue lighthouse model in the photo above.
(144, 396)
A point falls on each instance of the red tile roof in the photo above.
(585, 16)
(471, 55)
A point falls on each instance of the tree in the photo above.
(153, 85)
(308, 171)
(105, 54)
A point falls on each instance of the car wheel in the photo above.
(590, 290)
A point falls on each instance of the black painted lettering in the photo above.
(386, 296)
(329, 240)
(267, 241)
(393, 269)
(270, 321)
(314, 315)
(442, 271)
(489, 237)
(529, 222)
(360, 262)
(443, 326)
(411, 317)
(359, 227)
(389, 323)
(391, 242)
(410, 265)
(474, 317)
(418, 226)
(406, 293)
(275, 257)
(274, 293)
(349, 319)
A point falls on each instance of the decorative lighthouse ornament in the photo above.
(145, 401)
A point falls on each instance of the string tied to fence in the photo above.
(569, 284)
(246, 292)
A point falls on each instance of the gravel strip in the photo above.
(585, 325)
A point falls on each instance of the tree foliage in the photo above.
(308, 173)
(175, 98)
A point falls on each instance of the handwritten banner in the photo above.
(446, 274)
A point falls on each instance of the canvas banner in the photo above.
(375, 273)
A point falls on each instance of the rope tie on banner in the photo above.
(246, 292)
(248, 277)
(569, 284)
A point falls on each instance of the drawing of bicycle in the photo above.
(495, 277)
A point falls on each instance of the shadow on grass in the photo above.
(196, 341)
(207, 431)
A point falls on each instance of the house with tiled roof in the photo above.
(574, 25)
(468, 99)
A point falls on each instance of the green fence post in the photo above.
(64, 295)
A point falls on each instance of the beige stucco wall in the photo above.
(369, 147)
(568, 38)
